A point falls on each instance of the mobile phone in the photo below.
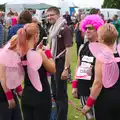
(44, 41)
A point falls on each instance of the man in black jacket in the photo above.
(68, 18)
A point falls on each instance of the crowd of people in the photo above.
(29, 55)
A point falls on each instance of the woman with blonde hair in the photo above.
(34, 100)
(32, 65)
(106, 86)
(9, 105)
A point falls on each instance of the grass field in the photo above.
(73, 114)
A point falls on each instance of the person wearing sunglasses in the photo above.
(84, 73)
(105, 89)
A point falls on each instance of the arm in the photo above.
(118, 22)
(96, 88)
(3, 78)
(78, 64)
(3, 82)
(19, 90)
(75, 82)
(68, 42)
(97, 84)
(76, 26)
(67, 57)
(7, 91)
(48, 63)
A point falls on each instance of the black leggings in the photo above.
(107, 106)
(36, 113)
(10, 114)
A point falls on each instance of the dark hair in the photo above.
(25, 17)
(116, 16)
(54, 9)
(43, 12)
(94, 11)
(109, 21)
(102, 16)
(10, 13)
(16, 14)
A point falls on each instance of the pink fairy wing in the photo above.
(34, 59)
(9, 58)
(110, 71)
(14, 71)
(35, 62)
(35, 79)
(110, 74)
(14, 76)
(6, 46)
(101, 52)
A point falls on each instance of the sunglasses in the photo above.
(89, 28)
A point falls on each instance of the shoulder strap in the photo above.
(82, 48)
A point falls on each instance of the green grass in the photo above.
(73, 114)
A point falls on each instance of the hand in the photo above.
(89, 71)
(40, 45)
(64, 75)
(44, 48)
(85, 109)
(75, 92)
(11, 104)
(19, 94)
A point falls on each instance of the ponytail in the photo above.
(24, 35)
(13, 42)
(22, 41)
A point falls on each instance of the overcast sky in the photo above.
(80, 3)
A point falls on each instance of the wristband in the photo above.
(90, 102)
(74, 83)
(19, 89)
(48, 54)
(9, 95)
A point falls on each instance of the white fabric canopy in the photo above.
(80, 3)
(19, 6)
(53, 2)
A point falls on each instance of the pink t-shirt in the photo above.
(14, 21)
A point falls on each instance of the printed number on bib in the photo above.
(84, 71)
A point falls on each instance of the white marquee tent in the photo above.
(20, 5)
(63, 4)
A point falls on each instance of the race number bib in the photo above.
(88, 59)
(84, 71)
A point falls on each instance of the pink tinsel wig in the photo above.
(94, 20)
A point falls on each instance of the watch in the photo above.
(66, 68)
